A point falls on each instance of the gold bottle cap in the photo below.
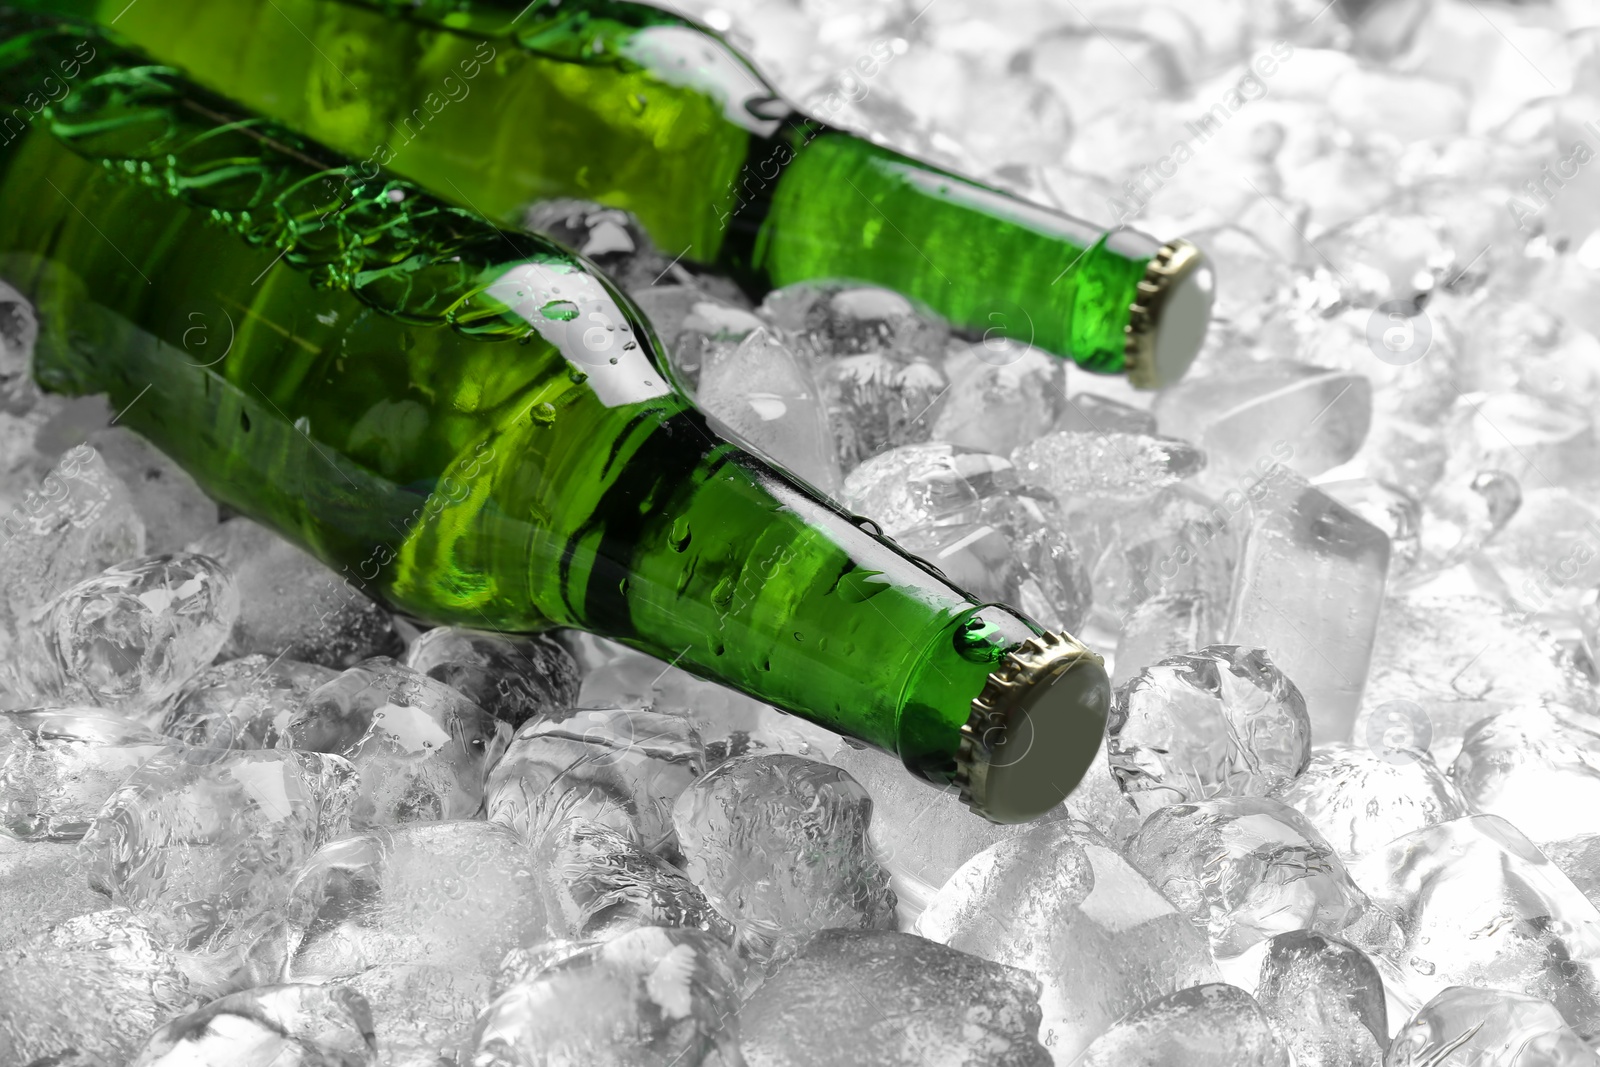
(1169, 314)
(1034, 730)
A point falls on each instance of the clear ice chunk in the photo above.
(1061, 902)
(88, 991)
(648, 996)
(1462, 515)
(1442, 662)
(422, 750)
(779, 845)
(599, 882)
(1309, 419)
(1176, 541)
(1111, 466)
(1093, 413)
(174, 510)
(1467, 1027)
(242, 703)
(131, 636)
(207, 843)
(1166, 625)
(919, 833)
(694, 327)
(512, 678)
(1361, 798)
(1546, 553)
(448, 894)
(19, 332)
(1308, 590)
(1536, 767)
(291, 605)
(1213, 1025)
(730, 724)
(1326, 998)
(80, 520)
(892, 1000)
(1245, 869)
(611, 237)
(1477, 904)
(620, 768)
(913, 487)
(1001, 396)
(41, 883)
(1221, 721)
(877, 359)
(58, 766)
(420, 1014)
(282, 1025)
(763, 395)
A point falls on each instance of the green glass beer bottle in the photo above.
(472, 425)
(494, 104)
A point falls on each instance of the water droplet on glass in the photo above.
(560, 310)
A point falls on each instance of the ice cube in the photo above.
(1092, 413)
(1547, 553)
(1012, 555)
(892, 1000)
(600, 883)
(877, 359)
(512, 678)
(80, 520)
(1001, 396)
(1244, 869)
(1309, 587)
(1478, 904)
(447, 894)
(1309, 419)
(1466, 1027)
(242, 703)
(919, 833)
(779, 845)
(59, 765)
(281, 1025)
(730, 724)
(207, 843)
(291, 605)
(933, 484)
(1176, 541)
(649, 996)
(1111, 466)
(1360, 798)
(1536, 767)
(132, 635)
(695, 327)
(174, 510)
(622, 768)
(610, 237)
(420, 1014)
(1222, 721)
(1461, 515)
(1060, 901)
(763, 395)
(1166, 625)
(1543, 442)
(1392, 510)
(19, 332)
(1212, 1025)
(41, 883)
(1441, 663)
(88, 991)
(422, 750)
(1326, 998)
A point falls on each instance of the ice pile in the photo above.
(1347, 573)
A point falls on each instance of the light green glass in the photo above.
(467, 422)
(494, 104)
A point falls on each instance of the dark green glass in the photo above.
(469, 423)
(494, 104)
